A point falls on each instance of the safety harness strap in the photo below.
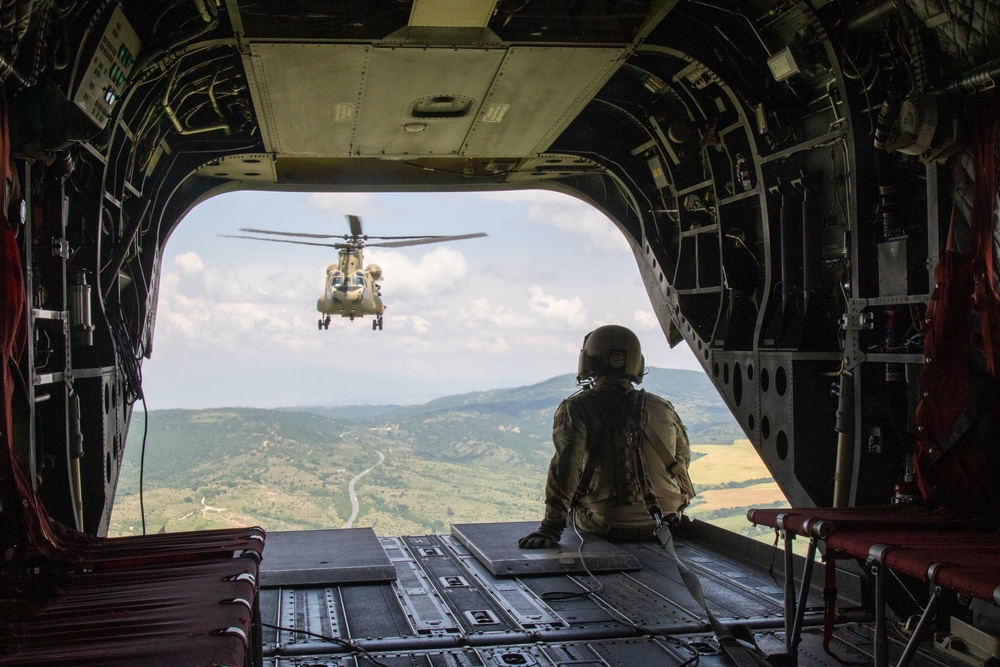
(739, 653)
(674, 467)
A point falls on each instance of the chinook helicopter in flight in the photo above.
(351, 291)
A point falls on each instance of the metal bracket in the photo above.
(60, 248)
(428, 552)
(857, 321)
(453, 581)
(482, 617)
(853, 321)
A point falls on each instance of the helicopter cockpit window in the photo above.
(337, 279)
(359, 279)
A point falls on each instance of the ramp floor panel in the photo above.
(734, 591)
(665, 651)
(318, 557)
(445, 605)
(495, 545)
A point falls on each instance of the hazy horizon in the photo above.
(698, 373)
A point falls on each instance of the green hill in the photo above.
(475, 457)
(529, 409)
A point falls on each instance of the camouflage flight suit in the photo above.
(593, 425)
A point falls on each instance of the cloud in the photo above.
(215, 308)
(440, 271)
(540, 196)
(567, 214)
(568, 311)
(189, 262)
(348, 203)
(419, 324)
(645, 320)
(579, 219)
(493, 345)
(486, 313)
(550, 343)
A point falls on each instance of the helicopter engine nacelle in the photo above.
(375, 270)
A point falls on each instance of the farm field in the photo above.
(730, 479)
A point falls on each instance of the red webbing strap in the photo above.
(13, 336)
(957, 414)
(33, 528)
(984, 128)
(829, 598)
(11, 344)
(830, 606)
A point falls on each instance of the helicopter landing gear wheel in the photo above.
(324, 323)
(377, 323)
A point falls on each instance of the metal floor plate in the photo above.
(495, 546)
(445, 608)
(319, 557)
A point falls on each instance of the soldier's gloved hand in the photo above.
(542, 538)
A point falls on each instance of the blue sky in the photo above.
(236, 323)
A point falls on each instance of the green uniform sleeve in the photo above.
(569, 437)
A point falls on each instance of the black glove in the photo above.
(543, 538)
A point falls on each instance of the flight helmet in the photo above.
(611, 350)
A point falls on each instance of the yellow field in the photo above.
(722, 464)
(738, 462)
(758, 494)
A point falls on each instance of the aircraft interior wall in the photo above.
(788, 173)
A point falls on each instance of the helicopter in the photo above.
(351, 291)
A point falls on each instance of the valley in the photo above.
(478, 457)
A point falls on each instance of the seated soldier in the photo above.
(618, 450)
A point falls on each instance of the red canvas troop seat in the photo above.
(71, 598)
(113, 553)
(949, 550)
(821, 522)
(964, 562)
(201, 613)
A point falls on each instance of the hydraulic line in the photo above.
(872, 19)
(807, 244)
(981, 78)
(75, 452)
(843, 477)
(783, 245)
(172, 115)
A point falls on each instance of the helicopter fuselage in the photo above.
(351, 291)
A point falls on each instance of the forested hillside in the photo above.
(474, 457)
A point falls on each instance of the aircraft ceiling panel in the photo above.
(307, 96)
(402, 81)
(452, 14)
(537, 93)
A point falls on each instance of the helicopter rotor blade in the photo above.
(355, 223)
(301, 234)
(257, 238)
(425, 240)
(419, 236)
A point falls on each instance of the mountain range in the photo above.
(469, 457)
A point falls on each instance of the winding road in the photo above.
(354, 481)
